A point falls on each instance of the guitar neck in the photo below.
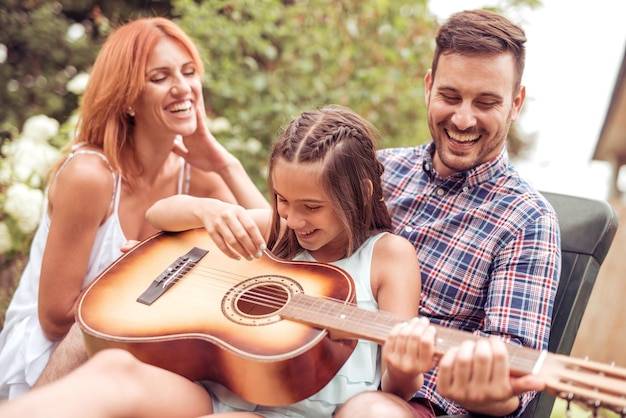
(347, 321)
(590, 383)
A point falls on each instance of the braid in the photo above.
(316, 148)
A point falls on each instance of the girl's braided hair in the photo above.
(345, 143)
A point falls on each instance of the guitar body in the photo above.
(220, 320)
(177, 302)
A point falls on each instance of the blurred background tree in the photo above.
(265, 61)
(268, 60)
(44, 43)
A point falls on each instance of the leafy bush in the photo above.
(23, 172)
(266, 61)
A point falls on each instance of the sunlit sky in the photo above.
(574, 52)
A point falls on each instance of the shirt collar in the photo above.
(474, 176)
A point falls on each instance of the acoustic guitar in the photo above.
(272, 331)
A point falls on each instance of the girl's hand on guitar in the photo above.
(408, 352)
(476, 374)
(235, 231)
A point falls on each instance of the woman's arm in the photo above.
(79, 201)
(204, 152)
(235, 230)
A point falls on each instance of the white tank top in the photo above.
(24, 349)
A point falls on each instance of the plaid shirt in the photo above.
(488, 246)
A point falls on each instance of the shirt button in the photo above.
(408, 229)
(440, 192)
(426, 166)
(465, 188)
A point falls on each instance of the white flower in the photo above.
(253, 146)
(78, 83)
(40, 128)
(3, 53)
(5, 239)
(71, 124)
(5, 172)
(31, 160)
(75, 32)
(25, 206)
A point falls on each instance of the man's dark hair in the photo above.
(481, 32)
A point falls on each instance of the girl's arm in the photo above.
(234, 229)
(409, 348)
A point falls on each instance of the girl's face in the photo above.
(307, 210)
(172, 94)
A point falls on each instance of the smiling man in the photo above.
(488, 243)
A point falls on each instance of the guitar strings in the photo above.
(205, 279)
(222, 281)
(262, 294)
(225, 281)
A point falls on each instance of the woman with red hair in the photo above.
(142, 136)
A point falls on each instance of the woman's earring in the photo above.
(131, 112)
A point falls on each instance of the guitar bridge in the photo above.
(171, 275)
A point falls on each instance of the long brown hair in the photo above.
(345, 144)
(116, 80)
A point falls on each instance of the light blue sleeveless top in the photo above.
(360, 373)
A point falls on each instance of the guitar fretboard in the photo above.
(593, 383)
(344, 320)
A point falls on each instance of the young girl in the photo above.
(327, 207)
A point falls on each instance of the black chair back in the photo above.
(587, 227)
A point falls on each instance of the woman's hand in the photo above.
(201, 149)
(205, 153)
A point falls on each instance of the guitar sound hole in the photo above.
(262, 300)
(257, 300)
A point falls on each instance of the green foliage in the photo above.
(574, 410)
(266, 61)
(45, 43)
(40, 59)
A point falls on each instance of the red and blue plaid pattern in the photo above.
(488, 246)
